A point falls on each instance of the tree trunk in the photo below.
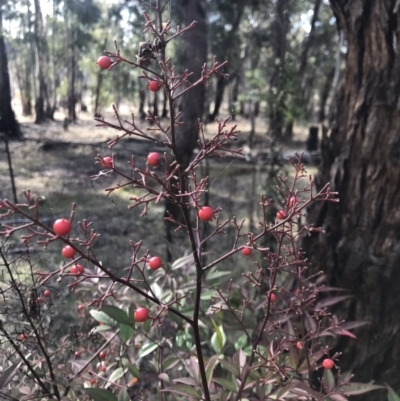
(42, 106)
(361, 159)
(277, 95)
(8, 123)
(195, 55)
(97, 96)
(324, 95)
(142, 99)
(195, 42)
(71, 101)
(219, 96)
(164, 109)
(310, 39)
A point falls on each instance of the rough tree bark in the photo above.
(42, 105)
(8, 123)
(277, 91)
(361, 159)
(195, 55)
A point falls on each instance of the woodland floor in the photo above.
(57, 165)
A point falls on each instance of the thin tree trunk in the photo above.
(310, 39)
(97, 96)
(155, 104)
(195, 55)
(164, 110)
(142, 99)
(277, 90)
(8, 123)
(324, 95)
(219, 96)
(360, 250)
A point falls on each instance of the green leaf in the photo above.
(392, 396)
(102, 317)
(360, 388)
(241, 342)
(218, 339)
(97, 329)
(183, 390)
(181, 262)
(99, 394)
(226, 384)
(134, 371)
(147, 349)
(8, 374)
(329, 380)
(230, 366)
(123, 395)
(117, 374)
(117, 314)
(217, 275)
(126, 332)
(210, 366)
(170, 362)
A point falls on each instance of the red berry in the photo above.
(272, 297)
(247, 251)
(62, 227)
(328, 363)
(39, 300)
(292, 201)
(103, 368)
(107, 162)
(102, 354)
(46, 293)
(153, 159)
(68, 252)
(93, 381)
(23, 337)
(206, 213)
(299, 345)
(77, 270)
(80, 308)
(155, 263)
(77, 354)
(154, 86)
(104, 62)
(281, 215)
(141, 315)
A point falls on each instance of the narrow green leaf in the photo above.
(126, 332)
(147, 349)
(241, 342)
(102, 317)
(183, 390)
(170, 362)
(230, 366)
(117, 314)
(134, 371)
(392, 396)
(100, 394)
(8, 374)
(216, 275)
(218, 339)
(210, 366)
(97, 329)
(181, 262)
(226, 384)
(329, 380)
(360, 388)
(117, 374)
(123, 395)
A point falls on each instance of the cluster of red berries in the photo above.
(104, 62)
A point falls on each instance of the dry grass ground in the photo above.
(62, 175)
